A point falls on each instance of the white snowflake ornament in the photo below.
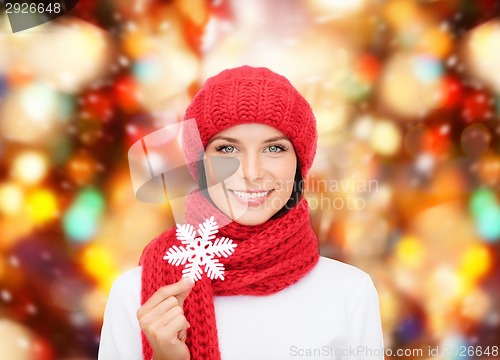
(200, 251)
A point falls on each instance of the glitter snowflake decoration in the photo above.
(200, 251)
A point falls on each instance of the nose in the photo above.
(251, 168)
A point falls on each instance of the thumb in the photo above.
(188, 284)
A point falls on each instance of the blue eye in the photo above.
(228, 149)
(276, 148)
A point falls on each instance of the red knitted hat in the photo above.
(251, 95)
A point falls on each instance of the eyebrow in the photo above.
(236, 141)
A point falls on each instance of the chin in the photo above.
(249, 220)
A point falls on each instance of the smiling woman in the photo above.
(264, 181)
(277, 294)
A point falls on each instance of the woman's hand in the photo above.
(162, 320)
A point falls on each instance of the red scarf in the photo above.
(264, 253)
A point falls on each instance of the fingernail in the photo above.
(188, 281)
(189, 325)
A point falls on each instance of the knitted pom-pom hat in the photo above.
(252, 95)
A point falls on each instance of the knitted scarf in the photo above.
(268, 258)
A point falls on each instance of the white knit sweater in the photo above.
(331, 313)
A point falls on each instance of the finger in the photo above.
(166, 291)
(145, 315)
(183, 333)
(159, 328)
(177, 324)
(183, 295)
(162, 314)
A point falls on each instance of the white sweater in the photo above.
(331, 313)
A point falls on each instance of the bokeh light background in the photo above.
(405, 183)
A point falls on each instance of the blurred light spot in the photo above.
(401, 13)
(414, 139)
(410, 328)
(482, 198)
(366, 234)
(436, 41)
(94, 303)
(78, 319)
(136, 43)
(482, 52)
(409, 251)
(80, 224)
(493, 317)
(427, 68)
(92, 200)
(79, 53)
(81, 168)
(476, 262)
(60, 150)
(166, 71)
(126, 93)
(100, 263)
(385, 138)
(30, 167)
(38, 100)
(382, 197)
(454, 343)
(447, 285)
(42, 206)
(31, 309)
(5, 295)
(411, 85)
(390, 307)
(486, 212)
(368, 68)
(475, 140)
(11, 198)
(489, 170)
(424, 163)
(451, 92)
(13, 339)
(67, 293)
(477, 106)
(476, 305)
(362, 127)
(3, 86)
(30, 114)
(23, 342)
(81, 220)
(330, 119)
(147, 69)
(488, 223)
(14, 261)
(332, 9)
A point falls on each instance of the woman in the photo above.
(279, 298)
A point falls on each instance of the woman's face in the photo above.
(264, 180)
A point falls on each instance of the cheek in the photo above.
(216, 193)
(284, 174)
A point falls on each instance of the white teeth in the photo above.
(246, 195)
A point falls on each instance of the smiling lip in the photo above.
(255, 201)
